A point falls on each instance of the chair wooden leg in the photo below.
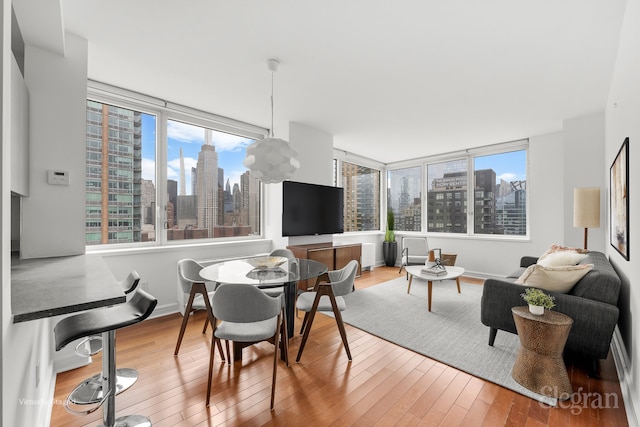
(458, 283)
(206, 323)
(338, 317)
(185, 319)
(285, 338)
(211, 356)
(275, 360)
(229, 358)
(307, 325)
(304, 322)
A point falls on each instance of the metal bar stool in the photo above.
(89, 391)
(105, 322)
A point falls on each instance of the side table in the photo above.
(539, 366)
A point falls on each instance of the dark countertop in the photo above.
(48, 287)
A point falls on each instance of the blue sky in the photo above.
(230, 149)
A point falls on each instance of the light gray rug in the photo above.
(451, 333)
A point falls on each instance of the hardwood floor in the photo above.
(383, 385)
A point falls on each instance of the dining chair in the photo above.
(248, 315)
(328, 297)
(415, 250)
(199, 297)
(279, 290)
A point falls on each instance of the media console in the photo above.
(333, 256)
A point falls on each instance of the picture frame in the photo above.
(619, 201)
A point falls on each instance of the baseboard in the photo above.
(621, 360)
(164, 310)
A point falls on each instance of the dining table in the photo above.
(287, 274)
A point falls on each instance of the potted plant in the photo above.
(537, 300)
(390, 246)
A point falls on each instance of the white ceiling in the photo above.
(390, 80)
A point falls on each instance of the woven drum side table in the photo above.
(539, 366)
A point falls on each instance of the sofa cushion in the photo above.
(561, 258)
(556, 279)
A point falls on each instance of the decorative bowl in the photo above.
(267, 262)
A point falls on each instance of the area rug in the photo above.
(451, 333)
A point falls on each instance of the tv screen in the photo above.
(311, 209)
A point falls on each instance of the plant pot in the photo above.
(538, 310)
(389, 252)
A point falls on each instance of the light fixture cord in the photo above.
(272, 131)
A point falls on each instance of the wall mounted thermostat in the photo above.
(58, 177)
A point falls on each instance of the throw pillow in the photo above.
(561, 258)
(555, 279)
(558, 248)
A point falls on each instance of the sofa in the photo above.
(591, 303)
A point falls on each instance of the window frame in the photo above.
(340, 156)
(165, 111)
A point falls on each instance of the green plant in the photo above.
(390, 235)
(534, 296)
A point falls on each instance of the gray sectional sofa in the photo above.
(591, 303)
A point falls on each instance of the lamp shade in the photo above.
(586, 207)
(271, 160)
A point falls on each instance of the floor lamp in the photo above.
(586, 209)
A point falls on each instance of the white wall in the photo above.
(622, 112)
(584, 153)
(53, 216)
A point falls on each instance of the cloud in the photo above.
(184, 132)
(149, 169)
(191, 134)
(507, 176)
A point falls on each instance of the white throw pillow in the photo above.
(555, 279)
(558, 248)
(562, 258)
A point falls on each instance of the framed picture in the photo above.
(619, 201)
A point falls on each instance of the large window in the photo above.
(210, 192)
(202, 190)
(404, 197)
(361, 197)
(498, 203)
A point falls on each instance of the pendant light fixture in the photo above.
(271, 160)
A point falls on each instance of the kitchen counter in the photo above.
(48, 287)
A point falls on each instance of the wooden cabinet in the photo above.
(334, 257)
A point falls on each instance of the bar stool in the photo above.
(89, 391)
(105, 322)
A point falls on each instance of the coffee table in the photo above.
(416, 270)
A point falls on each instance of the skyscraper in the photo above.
(113, 174)
(207, 187)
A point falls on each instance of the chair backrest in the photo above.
(417, 246)
(188, 273)
(129, 283)
(282, 252)
(242, 303)
(342, 281)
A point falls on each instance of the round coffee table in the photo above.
(451, 273)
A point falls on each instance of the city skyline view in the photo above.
(230, 149)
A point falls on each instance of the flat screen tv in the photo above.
(311, 209)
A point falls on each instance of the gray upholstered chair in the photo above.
(283, 253)
(328, 297)
(415, 251)
(248, 315)
(199, 297)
